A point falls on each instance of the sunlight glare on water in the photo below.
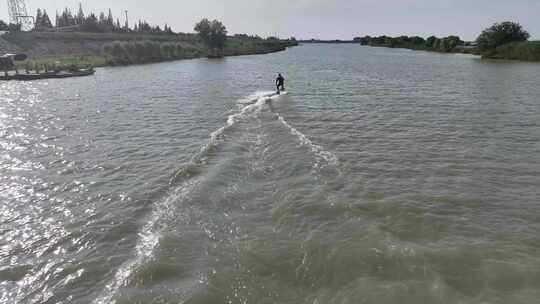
(382, 176)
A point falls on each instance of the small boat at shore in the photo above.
(49, 75)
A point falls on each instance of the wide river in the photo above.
(383, 176)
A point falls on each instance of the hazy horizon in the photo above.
(323, 19)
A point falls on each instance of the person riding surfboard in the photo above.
(280, 83)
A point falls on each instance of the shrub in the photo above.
(526, 51)
(500, 34)
(146, 51)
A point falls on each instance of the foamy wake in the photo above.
(258, 99)
(148, 238)
(151, 233)
(322, 156)
(252, 104)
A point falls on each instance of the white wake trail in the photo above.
(323, 157)
(150, 234)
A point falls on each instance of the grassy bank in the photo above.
(137, 52)
(63, 62)
(56, 49)
(450, 44)
(237, 47)
(524, 51)
(455, 50)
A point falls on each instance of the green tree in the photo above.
(500, 34)
(42, 20)
(365, 40)
(102, 20)
(430, 42)
(46, 21)
(90, 24)
(80, 15)
(416, 40)
(157, 30)
(390, 42)
(444, 45)
(15, 27)
(39, 18)
(454, 41)
(404, 39)
(437, 44)
(168, 30)
(110, 19)
(213, 34)
(203, 29)
(66, 19)
(3, 26)
(218, 34)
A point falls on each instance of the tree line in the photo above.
(432, 43)
(98, 23)
(9, 27)
(488, 41)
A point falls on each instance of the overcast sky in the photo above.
(326, 19)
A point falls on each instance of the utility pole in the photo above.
(19, 15)
(127, 22)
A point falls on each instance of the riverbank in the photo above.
(100, 49)
(335, 41)
(458, 50)
(147, 51)
(521, 51)
(450, 44)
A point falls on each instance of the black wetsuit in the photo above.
(280, 83)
